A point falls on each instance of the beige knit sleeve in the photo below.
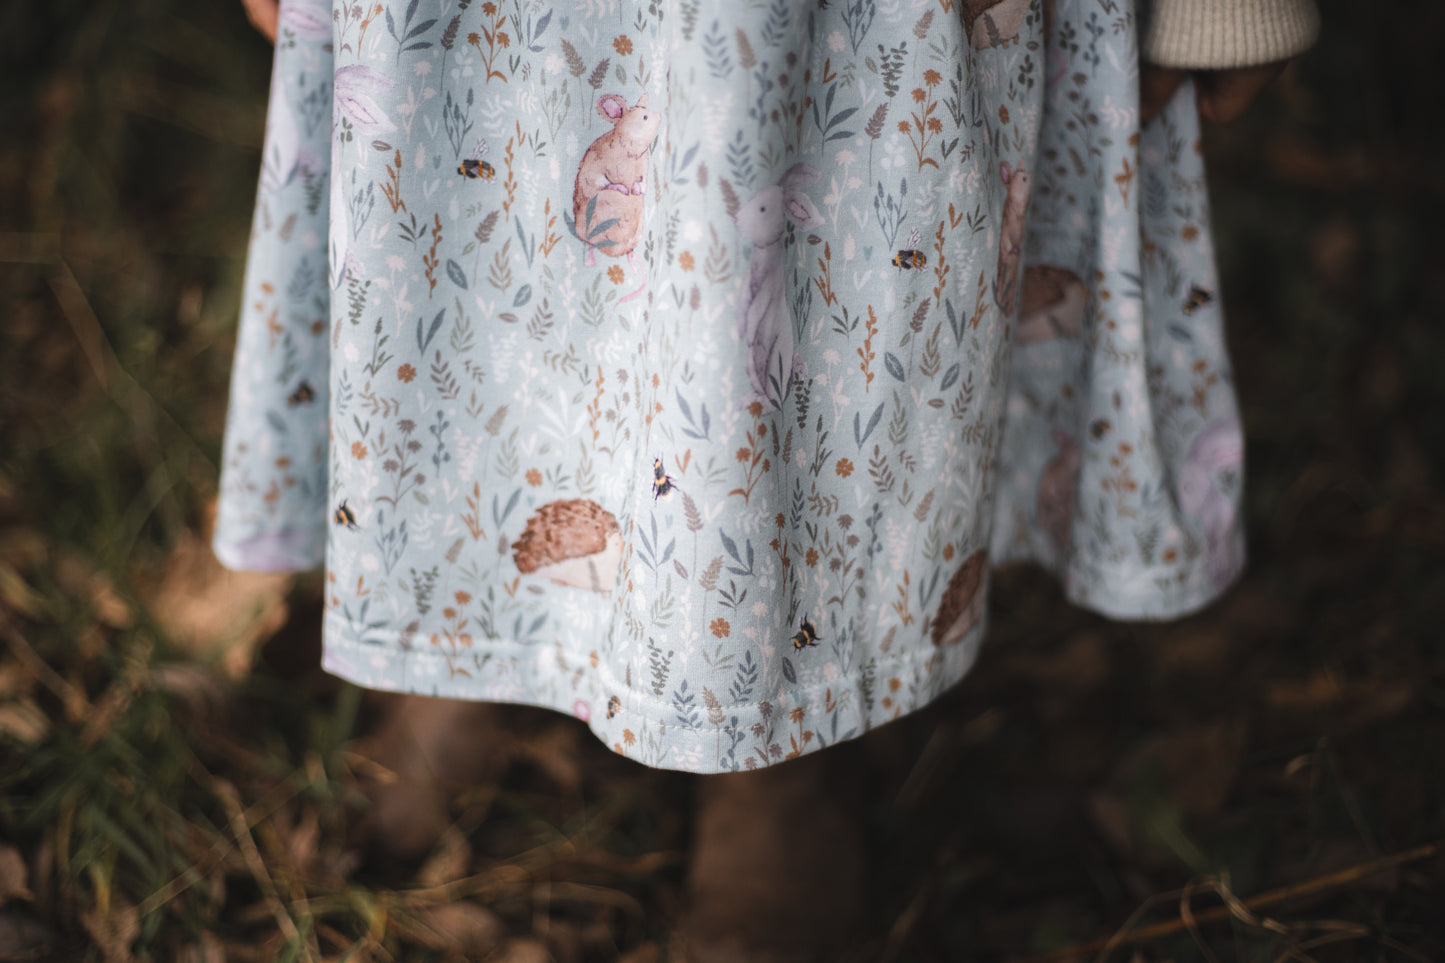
(1215, 34)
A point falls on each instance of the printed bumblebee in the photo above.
(911, 259)
(476, 168)
(303, 394)
(344, 515)
(1198, 298)
(614, 706)
(806, 635)
(662, 482)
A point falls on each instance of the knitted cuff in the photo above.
(1217, 34)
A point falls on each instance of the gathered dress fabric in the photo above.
(687, 366)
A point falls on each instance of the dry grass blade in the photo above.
(1233, 908)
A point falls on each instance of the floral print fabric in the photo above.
(687, 366)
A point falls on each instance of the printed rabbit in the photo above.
(767, 324)
(1211, 473)
(1011, 242)
(607, 202)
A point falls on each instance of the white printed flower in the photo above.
(835, 41)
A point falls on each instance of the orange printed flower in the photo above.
(720, 627)
(685, 261)
(843, 467)
(463, 598)
(796, 714)
(475, 39)
(918, 95)
(931, 78)
(1189, 233)
(811, 557)
(894, 684)
(534, 477)
(358, 450)
(628, 737)
(406, 373)
(903, 127)
(490, 9)
(503, 40)
(780, 521)
(948, 552)
(935, 125)
(1170, 555)
(622, 45)
(449, 612)
(744, 454)
(615, 275)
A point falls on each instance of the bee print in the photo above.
(1099, 429)
(662, 482)
(476, 168)
(806, 635)
(911, 259)
(1198, 298)
(344, 515)
(303, 394)
(614, 706)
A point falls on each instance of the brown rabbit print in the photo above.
(993, 23)
(607, 202)
(1011, 240)
(1053, 302)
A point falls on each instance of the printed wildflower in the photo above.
(534, 477)
(720, 627)
(615, 274)
(358, 450)
(623, 45)
(685, 261)
(406, 373)
(811, 557)
(843, 467)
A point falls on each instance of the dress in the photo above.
(686, 365)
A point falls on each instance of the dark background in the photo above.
(158, 798)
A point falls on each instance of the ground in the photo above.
(1261, 781)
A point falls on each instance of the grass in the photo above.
(1242, 779)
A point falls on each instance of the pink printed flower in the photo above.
(582, 710)
(353, 88)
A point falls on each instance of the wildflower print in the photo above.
(594, 353)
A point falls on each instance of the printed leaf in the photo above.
(788, 672)
(894, 366)
(459, 278)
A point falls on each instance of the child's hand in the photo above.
(263, 15)
(1222, 95)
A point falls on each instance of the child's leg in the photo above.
(431, 747)
(777, 864)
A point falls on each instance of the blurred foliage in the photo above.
(151, 806)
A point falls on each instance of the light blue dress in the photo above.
(686, 366)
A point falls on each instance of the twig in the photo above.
(1235, 908)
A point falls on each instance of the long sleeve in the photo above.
(1217, 34)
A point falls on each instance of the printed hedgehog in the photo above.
(962, 605)
(572, 542)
